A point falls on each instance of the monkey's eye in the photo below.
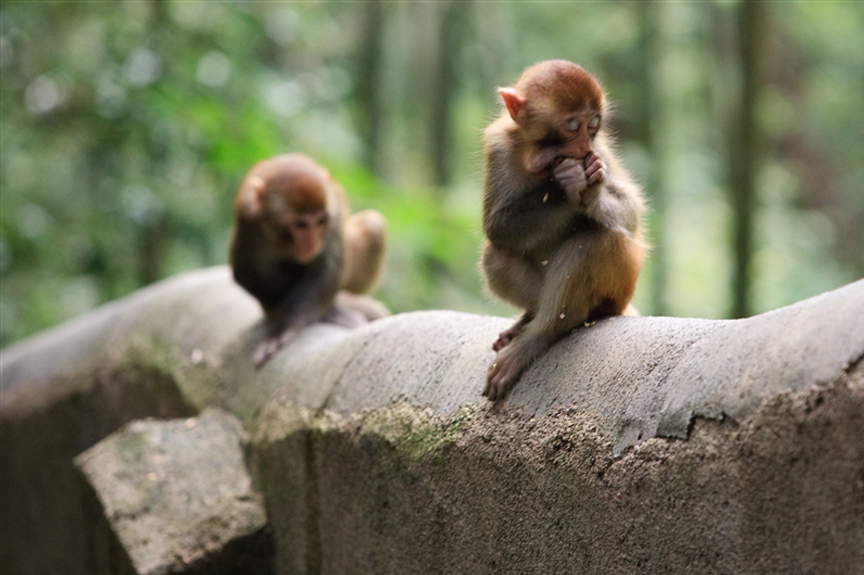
(594, 122)
(572, 124)
(323, 220)
(301, 224)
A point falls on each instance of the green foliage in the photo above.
(127, 126)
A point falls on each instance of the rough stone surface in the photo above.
(399, 490)
(177, 493)
(647, 445)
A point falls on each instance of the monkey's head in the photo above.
(288, 196)
(558, 107)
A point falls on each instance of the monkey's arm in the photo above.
(521, 211)
(353, 310)
(255, 265)
(616, 207)
(309, 301)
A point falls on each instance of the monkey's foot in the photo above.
(353, 310)
(346, 317)
(506, 336)
(509, 365)
(502, 374)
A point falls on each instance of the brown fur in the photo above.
(562, 217)
(563, 86)
(294, 247)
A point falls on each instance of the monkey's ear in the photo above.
(514, 102)
(251, 196)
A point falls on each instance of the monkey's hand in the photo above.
(570, 175)
(270, 346)
(265, 351)
(580, 178)
(595, 171)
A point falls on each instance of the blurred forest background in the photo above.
(128, 125)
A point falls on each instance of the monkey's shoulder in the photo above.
(500, 132)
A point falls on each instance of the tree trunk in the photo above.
(369, 84)
(450, 35)
(743, 153)
(655, 117)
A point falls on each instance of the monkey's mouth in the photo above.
(304, 253)
(542, 160)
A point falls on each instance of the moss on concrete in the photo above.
(414, 431)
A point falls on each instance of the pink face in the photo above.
(579, 131)
(301, 236)
(571, 138)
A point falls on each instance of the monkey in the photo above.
(562, 218)
(295, 248)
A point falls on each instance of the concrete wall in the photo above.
(638, 445)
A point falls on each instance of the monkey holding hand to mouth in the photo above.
(562, 218)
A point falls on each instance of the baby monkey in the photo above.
(561, 216)
(294, 247)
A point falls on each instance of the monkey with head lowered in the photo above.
(296, 249)
(561, 216)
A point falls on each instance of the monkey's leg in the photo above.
(353, 310)
(517, 281)
(349, 310)
(592, 274)
(364, 251)
(511, 277)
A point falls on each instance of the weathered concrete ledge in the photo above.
(638, 445)
(177, 497)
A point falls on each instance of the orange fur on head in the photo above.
(307, 191)
(568, 85)
(297, 178)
